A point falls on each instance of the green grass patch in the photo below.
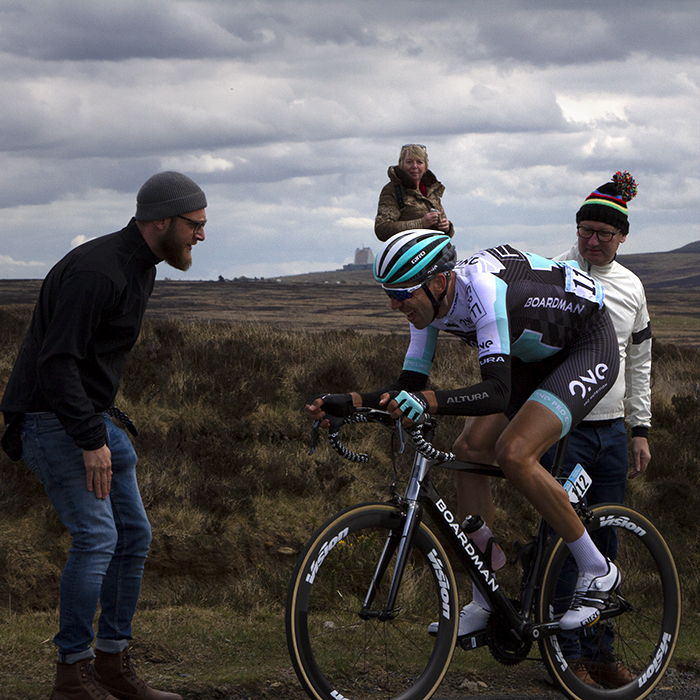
(214, 652)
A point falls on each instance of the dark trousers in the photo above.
(601, 448)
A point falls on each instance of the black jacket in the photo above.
(85, 322)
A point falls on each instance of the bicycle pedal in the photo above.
(472, 641)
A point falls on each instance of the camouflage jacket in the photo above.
(394, 216)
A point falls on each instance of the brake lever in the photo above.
(400, 433)
(315, 431)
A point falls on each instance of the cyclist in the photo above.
(547, 353)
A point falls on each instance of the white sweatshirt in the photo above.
(630, 396)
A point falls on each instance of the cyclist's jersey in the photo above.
(508, 302)
(511, 304)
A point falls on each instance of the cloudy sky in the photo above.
(288, 113)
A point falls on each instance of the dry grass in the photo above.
(233, 495)
(349, 301)
(225, 474)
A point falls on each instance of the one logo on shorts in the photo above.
(586, 383)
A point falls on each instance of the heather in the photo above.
(229, 486)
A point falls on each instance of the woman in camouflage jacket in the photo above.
(411, 199)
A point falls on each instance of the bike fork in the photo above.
(401, 543)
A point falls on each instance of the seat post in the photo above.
(559, 455)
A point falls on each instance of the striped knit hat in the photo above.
(608, 204)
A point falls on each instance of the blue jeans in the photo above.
(110, 537)
(603, 452)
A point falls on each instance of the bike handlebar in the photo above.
(371, 415)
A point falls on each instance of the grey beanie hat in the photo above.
(168, 194)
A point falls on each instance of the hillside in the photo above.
(689, 248)
(675, 268)
(350, 300)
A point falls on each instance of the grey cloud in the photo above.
(590, 32)
(75, 30)
(288, 113)
(78, 30)
(542, 33)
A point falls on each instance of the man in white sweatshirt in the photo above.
(600, 441)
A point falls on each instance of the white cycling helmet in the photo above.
(410, 258)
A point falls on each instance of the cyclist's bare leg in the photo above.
(518, 448)
(531, 432)
(477, 443)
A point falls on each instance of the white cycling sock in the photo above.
(587, 555)
(479, 599)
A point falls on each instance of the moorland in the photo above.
(216, 384)
(335, 301)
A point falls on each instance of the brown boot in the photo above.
(580, 667)
(114, 672)
(611, 674)
(77, 682)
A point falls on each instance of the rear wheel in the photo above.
(626, 654)
(340, 651)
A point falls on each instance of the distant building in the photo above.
(363, 260)
(364, 256)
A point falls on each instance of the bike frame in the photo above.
(643, 645)
(421, 495)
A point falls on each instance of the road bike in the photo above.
(374, 576)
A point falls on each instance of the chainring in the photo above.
(505, 646)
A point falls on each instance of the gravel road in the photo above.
(535, 685)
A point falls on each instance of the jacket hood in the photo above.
(397, 175)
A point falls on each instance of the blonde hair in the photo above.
(416, 150)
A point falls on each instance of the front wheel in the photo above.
(343, 648)
(625, 655)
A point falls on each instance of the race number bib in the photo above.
(577, 484)
(583, 286)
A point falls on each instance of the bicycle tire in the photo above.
(642, 638)
(336, 654)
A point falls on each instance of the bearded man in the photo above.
(57, 407)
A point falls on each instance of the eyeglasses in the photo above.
(401, 294)
(197, 226)
(603, 236)
(420, 145)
